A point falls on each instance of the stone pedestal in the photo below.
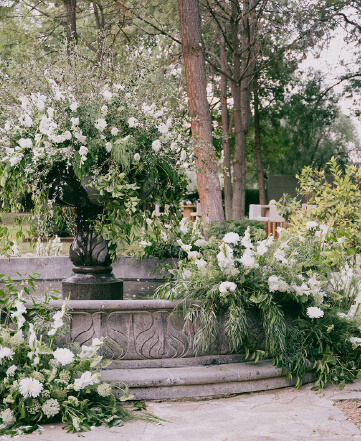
(93, 286)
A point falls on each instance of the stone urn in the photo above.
(92, 277)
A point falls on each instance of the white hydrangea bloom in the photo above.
(8, 418)
(25, 143)
(100, 124)
(232, 238)
(156, 145)
(248, 260)
(225, 287)
(133, 122)
(314, 312)
(63, 356)
(51, 407)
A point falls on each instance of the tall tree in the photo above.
(201, 124)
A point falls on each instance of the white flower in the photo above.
(184, 247)
(183, 155)
(225, 257)
(67, 135)
(156, 145)
(163, 129)
(164, 236)
(280, 256)
(276, 284)
(51, 407)
(173, 146)
(80, 137)
(6, 353)
(25, 143)
(262, 248)
(114, 131)
(144, 243)
(64, 356)
(104, 110)
(107, 94)
(100, 124)
(314, 312)
(247, 260)
(183, 226)
(8, 417)
(311, 225)
(108, 147)
(136, 157)
(201, 263)
(193, 254)
(83, 151)
(355, 341)
(74, 121)
(85, 380)
(30, 387)
(104, 389)
(133, 122)
(232, 238)
(246, 239)
(227, 287)
(73, 106)
(25, 120)
(200, 243)
(11, 371)
(301, 290)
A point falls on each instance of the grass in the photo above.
(26, 248)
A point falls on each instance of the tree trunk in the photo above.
(244, 67)
(257, 141)
(225, 130)
(71, 35)
(200, 116)
(239, 159)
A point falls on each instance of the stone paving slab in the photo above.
(280, 415)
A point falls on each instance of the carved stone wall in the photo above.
(141, 332)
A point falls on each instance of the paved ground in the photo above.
(280, 415)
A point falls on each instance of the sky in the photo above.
(332, 62)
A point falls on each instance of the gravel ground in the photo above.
(352, 409)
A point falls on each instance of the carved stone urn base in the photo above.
(90, 284)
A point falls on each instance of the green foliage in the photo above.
(333, 202)
(275, 298)
(41, 382)
(217, 230)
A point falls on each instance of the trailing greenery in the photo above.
(306, 305)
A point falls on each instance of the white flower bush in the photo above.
(308, 307)
(103, 137)
(40, 382)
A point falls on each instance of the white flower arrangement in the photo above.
(38, 380)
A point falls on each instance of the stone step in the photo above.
(200, 381)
